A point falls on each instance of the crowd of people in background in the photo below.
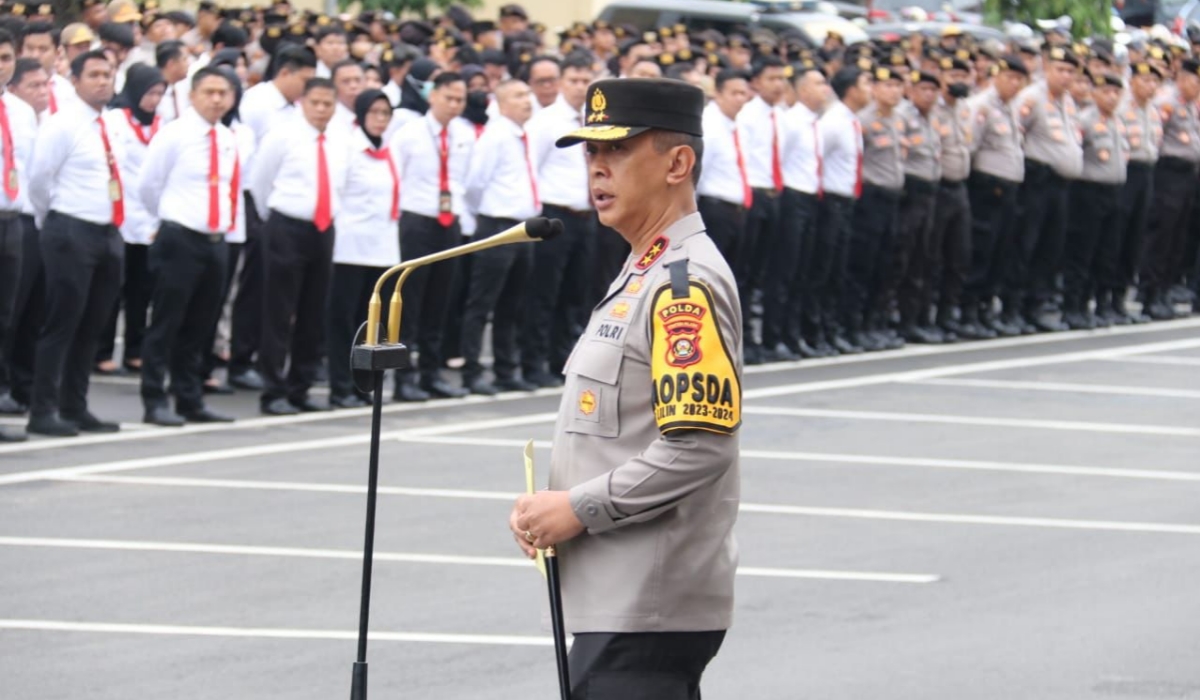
(224, 189)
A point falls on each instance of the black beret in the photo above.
(886, 73)
(1144, 68)
(1012, 63)
(514, 10)
(620, 109)
(1107, 80)
(923, 77)
(1058, 53)
(955, 63)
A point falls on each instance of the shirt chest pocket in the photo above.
(595, 386)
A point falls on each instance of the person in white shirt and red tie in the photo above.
(502, 189)
(174, 61)
(190, 179)
(432, 155)
(723, 194)
(298, 177)
(78, 198)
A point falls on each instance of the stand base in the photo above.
(358, 689)
(378, 358)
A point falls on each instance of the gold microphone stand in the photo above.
(371, 358)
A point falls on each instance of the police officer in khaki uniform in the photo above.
(644, 485)
(1144, 129)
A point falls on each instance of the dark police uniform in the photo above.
(1144, 131)
(950, 239)
(652, 475)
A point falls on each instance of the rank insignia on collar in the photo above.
(653, 253)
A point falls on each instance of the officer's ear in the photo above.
(683, 152)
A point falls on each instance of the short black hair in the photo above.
(23, 67)
(799, 71)
(726, 74)
(7, 38)
(82, 59)
(327, 31)
(167, 51)
(580, 60)
(318, 84)
(209, 72)
(447, 77)
(762, 63)
(347, 63)
(229, 35)
(294, 58)
(544, 59)
(844, 79)
(41, 28)
(678, 70)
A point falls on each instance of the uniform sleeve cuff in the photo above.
(592, 505)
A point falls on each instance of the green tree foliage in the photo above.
(420, 8)
(1090, 17)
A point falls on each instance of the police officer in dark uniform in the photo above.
(1144, 130)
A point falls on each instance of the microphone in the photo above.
(530, 231)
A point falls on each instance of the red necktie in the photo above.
(385, 153)
(445, 215)
(11, 184)
(214, 182)
(858, 147)
(820, 162)
(138, 129)
(235, 189)
(776, 165)
(53, 102)
(537, 202)
(115, 193)
(747, 193)
(323, 215)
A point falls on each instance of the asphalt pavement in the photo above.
(1009, 519)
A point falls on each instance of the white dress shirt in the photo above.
(392, 90)
(400, 119)
(366, 233)
(841, 141)
(246, 147)
(174, 181)
(140, 224)
(762, 139)
(264, 108)
(802, 150)
(62, 94)
(23, 126)
(69, 171)
(499, 183)
(175, 101)
(416, 150)
(561, 172)
(720, 176)
(344, 121)
(284, 176)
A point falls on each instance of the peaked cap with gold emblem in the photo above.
(617, 109)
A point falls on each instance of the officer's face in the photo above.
(924, 96)
(153, 96)
(318, 105)
(1059, 75)
(95, 84)
(1144, 86)
(732, 95)
(544, 78)
(813, 90)
(1189, 85)
(629, 180)
(378, 118)
(448, 101)
(349, 83)
(332, 49)
(888, 92)
(34, 89)
(574, 86)
(1008, 83)
(39, 47)
(8, 62)
(1081, 90)
(1106, 98)
(212, 98)
(515, 101)
(291, 82)
(770, 84)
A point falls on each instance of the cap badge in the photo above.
(599, 104)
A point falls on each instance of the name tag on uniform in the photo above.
(114, 190)
(444, 202)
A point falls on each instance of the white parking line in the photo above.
(412, 558)
(982, 421)
(1159, 360)
(271, 633)
(1065, 387)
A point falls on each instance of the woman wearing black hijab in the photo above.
(131, 122)
(368, 240)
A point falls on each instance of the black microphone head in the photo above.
(542, 228)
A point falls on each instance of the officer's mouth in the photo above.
(602, 200)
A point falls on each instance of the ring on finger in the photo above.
(529, 536)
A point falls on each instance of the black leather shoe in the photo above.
(482, 387)
(443, 389)
(409, 393)
(52, 425)
(752, 355)
(249, 380)
(161, 415)
(307, 405)
(1048, 324)
(779, 353)
(350, 401)
(279, 407)
(1160, 311)
(844, 346)
(805, 351)
(89, 423)
(10, 406)
(206, 415)
(514, 384)
(918, 335)
(7, 435)
(218, 389)
(823, 349)
(868, 341)
(544, 380)
(1078, 321)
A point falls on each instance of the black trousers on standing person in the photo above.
(211, 360)
(835, 222)
(912, 257)
(788, 273)
(1041, 235)
(83, 272)
(725, 223)
(757, 243)
(426, 293)
(189, 270)
(1166, 233)
(246, 318)
(641, 665)
(135, 299)
(349, 295)
(298, 261)
(869, 254)
(547, 325)
(18, 351)
(1137, 195)
(949, 250)
(12, 257)
(1092, 250)
(993, 216)
(499, 278)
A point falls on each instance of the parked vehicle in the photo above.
(726, 17)
(980, 32)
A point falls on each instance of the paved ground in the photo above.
(1014, 519)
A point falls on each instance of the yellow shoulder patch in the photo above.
(696, 384)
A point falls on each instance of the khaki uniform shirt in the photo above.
(1181, 130)
(953, 125)
(1051, 127)
(924, 152)
(883, 148)
(646, 442)
(1105, 150)
(997, 142)
(1144, 129)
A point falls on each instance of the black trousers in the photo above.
(298, 262)
(725, 223)
(912, 256)
(993, 240)
(1041, 235)
(499, 278)
(12, 257)
(869, 255)
(1137, 194)
(19, 348)
(246, 317)
(949, 248)
(835, 224)
(83, 267)
(641, 666)
(1092, 251)
(211, 361)
(189, 283)
(427, 291)
(135, 298)
(349, 295)
(756, 246)
(786, 283)
(550, 329)
(1166, 234)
